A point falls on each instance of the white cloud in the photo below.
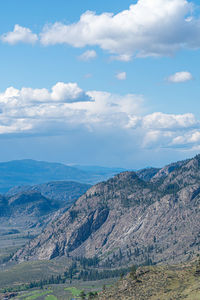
(65, 104)
(156, 138)
(180, 77)
(60, 92)
(163, 121)
(19, 34)
(147, 28)
(193, 137)
(15, 126)
(88, 55)
(67, 107)
(69, 92)
(121, 76)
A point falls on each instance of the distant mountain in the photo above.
(26, 210)
(100, 173)
(31, 172)
(31, 203)
(63, 192)
(129, 220)
(29, 206)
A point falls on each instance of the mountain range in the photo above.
(33, 206)
(144, 217)
(31, 172)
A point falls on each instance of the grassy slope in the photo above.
(30, 271)
(158, 283)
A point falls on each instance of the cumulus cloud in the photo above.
(66, 106)
(69, 92)
(168, 130)
(19, 34)
(88, 55)
(192, 137)
(121, 76)
(180, 77)
(163, 121)
(147, 28)
(60, 92)
(19, 125)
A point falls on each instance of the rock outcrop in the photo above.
(128, 220)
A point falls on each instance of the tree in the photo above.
(92, 295)
(133, 272)
(197, 272)
(82, 295)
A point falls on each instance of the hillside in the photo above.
(157, 283)
(64, 192)
(147, 174)
(127, 220)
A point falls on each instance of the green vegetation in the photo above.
(74, 291)
(38, 294)
(145, 283)
(172, 188)
(27, 272)
(65, 291)
(98, 275)
(133, 272)
(73, 215)
(51, 297)
(86, 269)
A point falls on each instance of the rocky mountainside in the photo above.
(147, 174)
(4, 209)
(128, 220)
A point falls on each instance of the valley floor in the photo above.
(147, 283)
(66, 291)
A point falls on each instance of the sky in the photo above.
(110, 83)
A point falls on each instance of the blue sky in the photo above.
(112, 83)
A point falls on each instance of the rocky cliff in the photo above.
(128, 220)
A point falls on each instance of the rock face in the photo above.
(129, 220)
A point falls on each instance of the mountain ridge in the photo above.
(31, 172)
(127, 219)
(33, 206)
